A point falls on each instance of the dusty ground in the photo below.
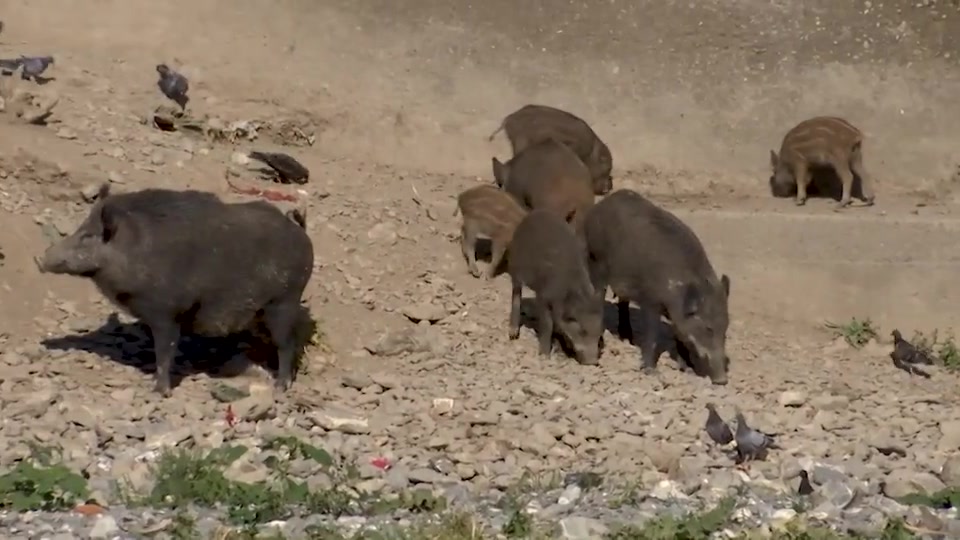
(401, 100)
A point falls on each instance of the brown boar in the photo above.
(532, 124)
(823, 141)
(648, 256)
(547, 257)
(492, 213)
(548, 175)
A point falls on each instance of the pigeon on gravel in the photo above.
(288, 169)
(805, 487)
(34, 66)
(751, 444)
(717, 429)
(173, 85)
(907, 352)
(909, 368)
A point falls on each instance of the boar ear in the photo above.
(774, 160)
(109, 219)
(104, 191)
(691, 300)
(725, 281)
(499, 172)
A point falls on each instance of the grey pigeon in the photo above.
(288, 169)
(34, 66)
(751, 444)
(717, 429)
(909, 368)
(908, 353)
(173, 85)
(805, 487)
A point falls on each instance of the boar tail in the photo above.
(498, 130)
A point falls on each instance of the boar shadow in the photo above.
(218, 357)
(665, 339)
(824, 184)
(528, 319)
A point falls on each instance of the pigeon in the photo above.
(805, 487)
(751, 444)
(288, 169)
(34, 66)
(909, 368)
(173, 85)
(906, 352)
(718, 430)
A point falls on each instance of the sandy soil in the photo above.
(402, 96)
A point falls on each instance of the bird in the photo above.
(33, 66)
(751, 444)
(805, 487)
(909, 368)
(288, 169)
(717, 429)
(173, 85)
(907, 352)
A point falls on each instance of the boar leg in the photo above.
(281, 321)
(648, 339)
(544, 326)
(515, 297)
(866, 181)
(166, 336)
(498, 249)
(468, 244)
(801, 175)
(846, 179)
(624, 326)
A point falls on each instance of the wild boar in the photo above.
(491, 213)
(648, 256)
(823, 141)
(184, 261)
(547, 257)
(548, 175)
(532, 124)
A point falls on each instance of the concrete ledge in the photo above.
(807, 268)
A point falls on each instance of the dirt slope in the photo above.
(403, 96)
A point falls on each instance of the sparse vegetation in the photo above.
(694, 526)
(942, 350)
(856, 332)
(41, 483)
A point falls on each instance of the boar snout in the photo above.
(719, 379)
(61, 259)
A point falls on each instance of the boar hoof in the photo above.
(648, 370)
(514, 334)
(801, 202)
(282, 385)
(474, 271)
(163, 389)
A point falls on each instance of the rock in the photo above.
(66, 133)
(425, 311)
(950, 472)
(90, 192)
(837, 494)
(571, 494)
(408, 340)
(383, 233)
(225, 393)
(425, 476)
(104, 527)
(582, 528)
(901, 483)
(340, 419)
(949, 436)
(792, 398)
(239, 158)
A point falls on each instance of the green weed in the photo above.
(856, 332)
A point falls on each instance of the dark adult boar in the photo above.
(184, 261)
(490, 212)
(547, 257)
(824, 141)
(532, 124)
(648, 256)
(548, 175)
